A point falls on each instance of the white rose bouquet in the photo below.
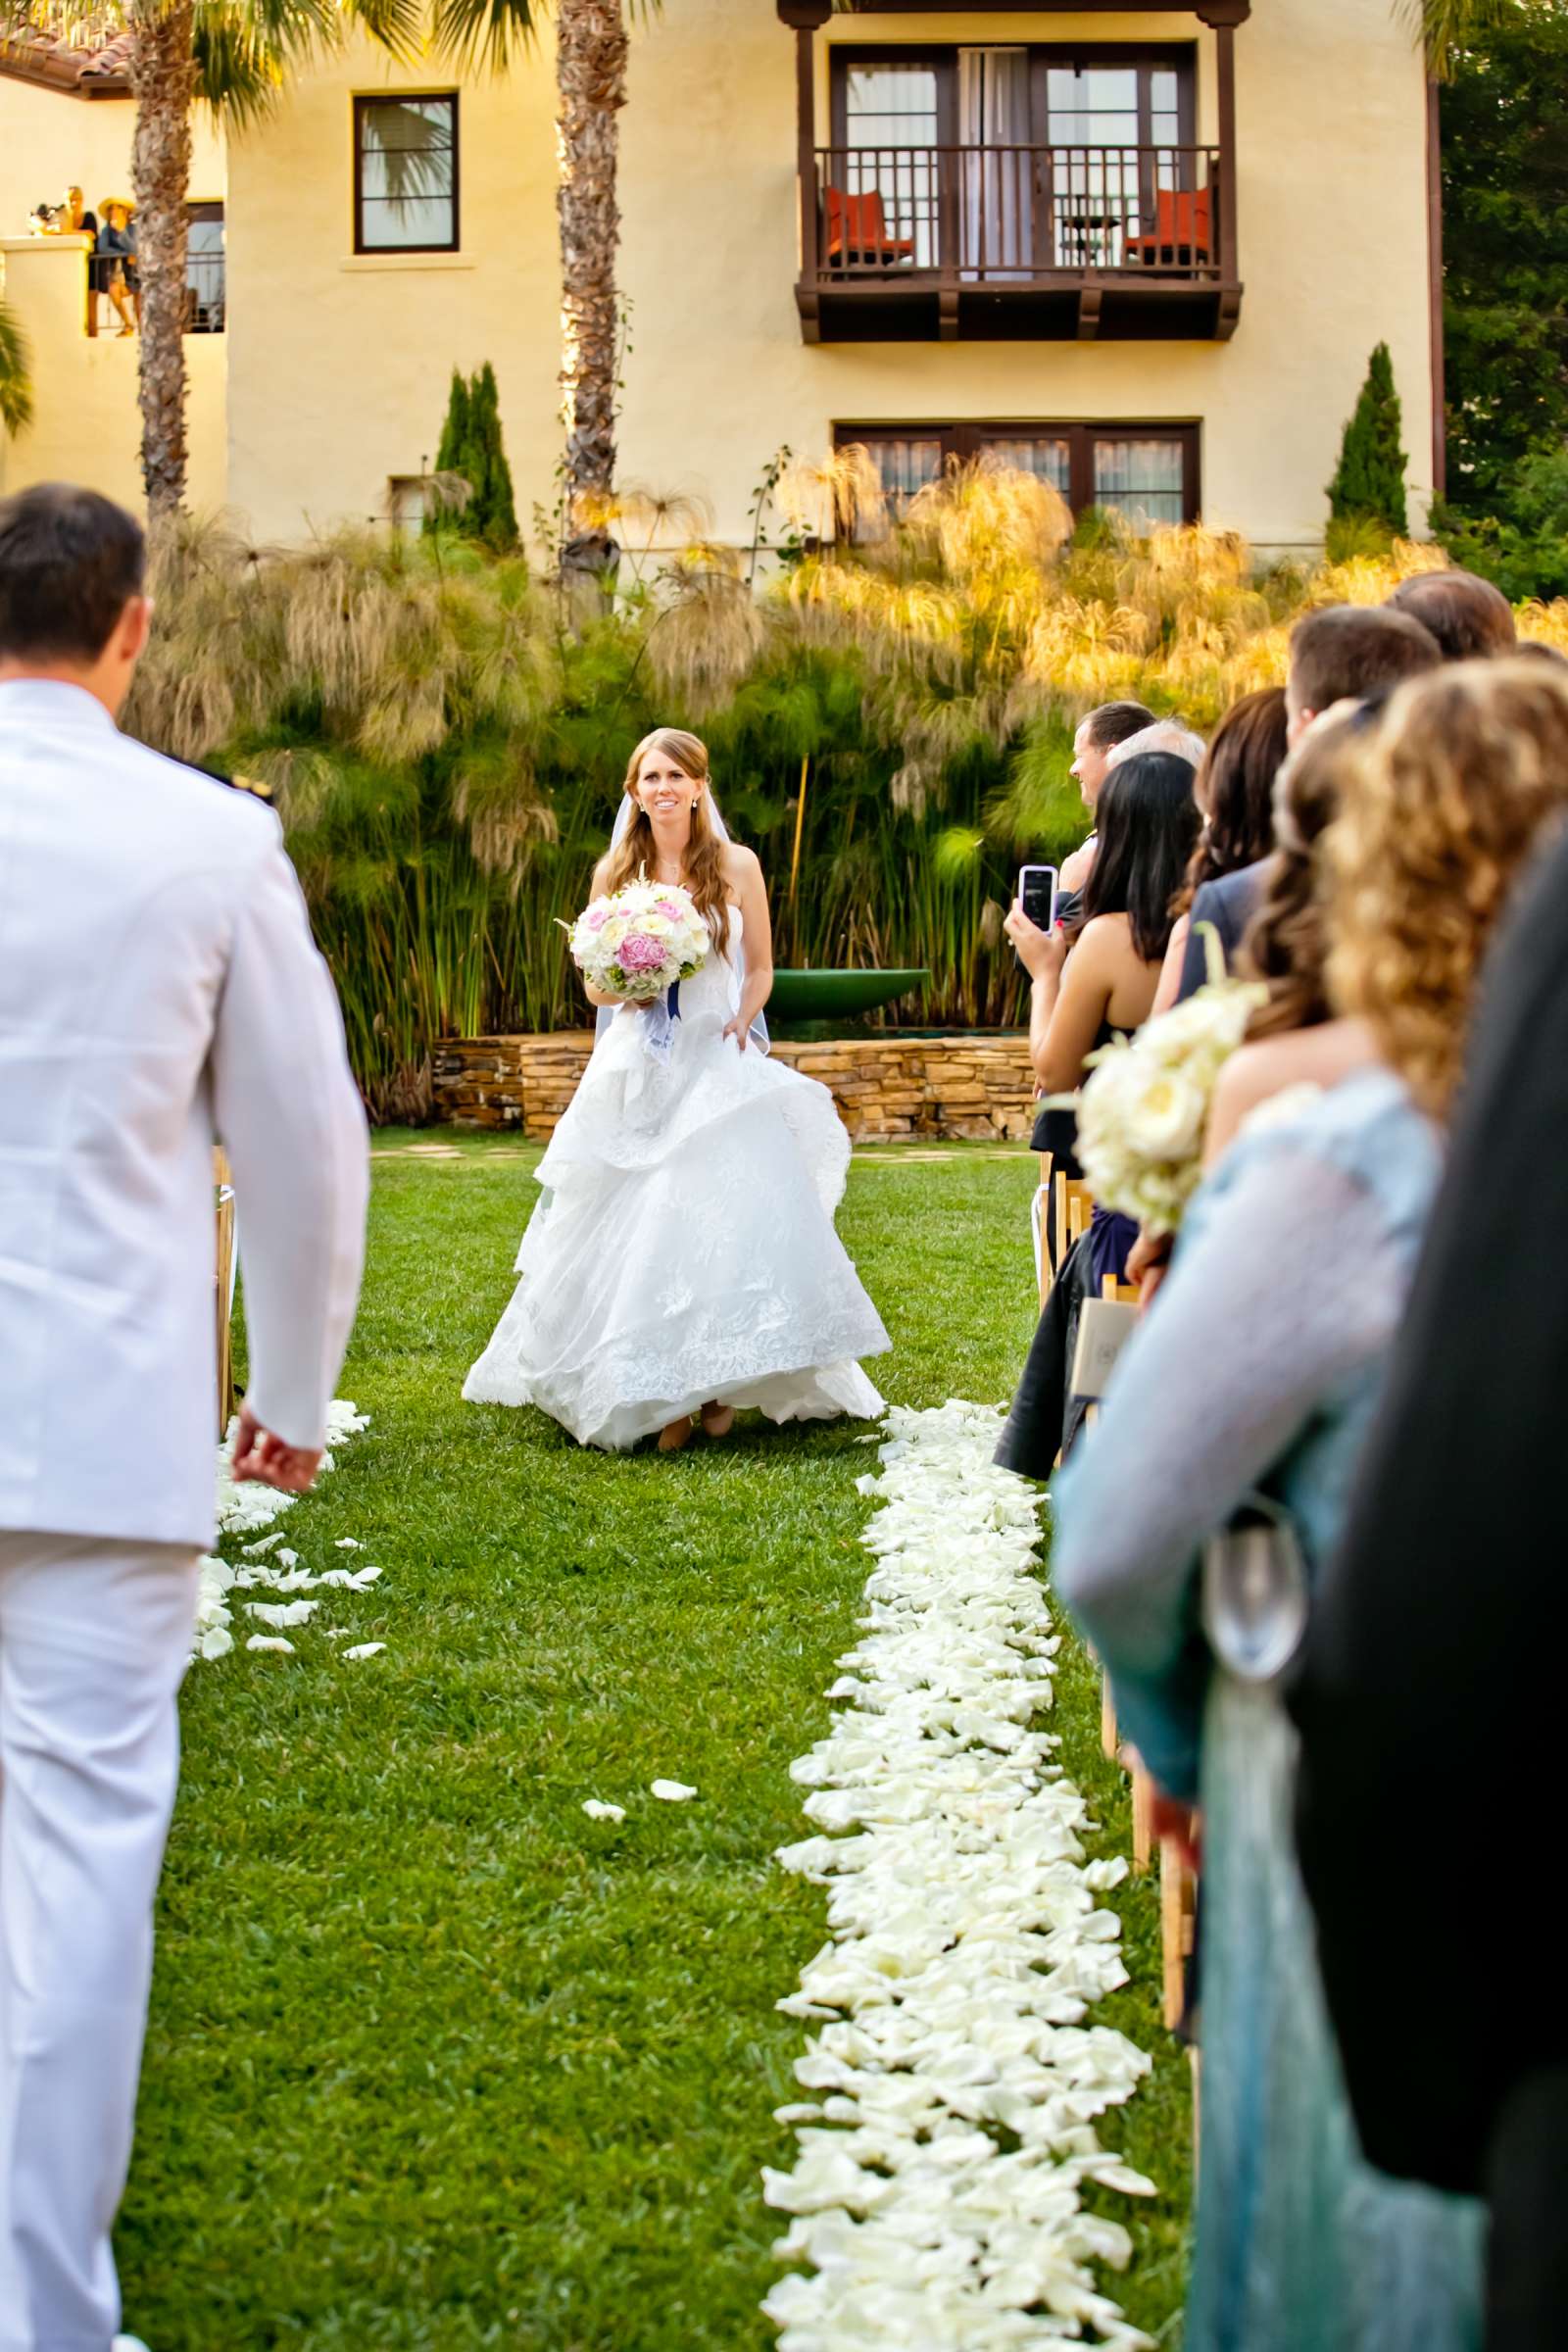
(637, 942)
(1144, 1104)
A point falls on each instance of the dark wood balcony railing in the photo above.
(1016, 240)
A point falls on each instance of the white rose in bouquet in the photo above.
(1144, 1104)
(638, 942)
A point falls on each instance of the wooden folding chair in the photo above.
(1178, 1927)
(1039, 1229)
(1075, 1206)
(225, 1290)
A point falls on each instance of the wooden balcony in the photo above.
(914, 244)
(1017, 243)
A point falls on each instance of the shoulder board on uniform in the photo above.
(251, 784)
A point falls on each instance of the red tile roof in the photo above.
(99, 70)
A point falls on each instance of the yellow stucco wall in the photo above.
(50, 141)
(86, 425)
(87, 429)
(339, 368)
(340, 364)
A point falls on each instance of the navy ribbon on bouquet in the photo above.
(658, 1030)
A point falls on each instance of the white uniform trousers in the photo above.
(94, 1638)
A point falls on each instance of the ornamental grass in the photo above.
(890, 714)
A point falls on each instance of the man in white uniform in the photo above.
(159, 989)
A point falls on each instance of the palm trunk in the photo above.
(591, 73)
(164, 78)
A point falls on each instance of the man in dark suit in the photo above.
(1341, 654)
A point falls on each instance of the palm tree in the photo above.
(592, 49)
(163, 77)
(235, 55)
(1445, 26)
(16, 385)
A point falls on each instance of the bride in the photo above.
(682, 1261)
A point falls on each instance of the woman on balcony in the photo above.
(117, 262)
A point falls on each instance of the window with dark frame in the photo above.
(406, 172)
(1147, 473)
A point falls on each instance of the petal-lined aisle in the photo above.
(957, 2083)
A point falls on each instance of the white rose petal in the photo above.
(672, 1793)
(349, 1543)
(364, 1649)
(954, 2077)
(269, 1642)
(596, 1811)
(283, 1612)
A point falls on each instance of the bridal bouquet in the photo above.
(639, 941)
(1144, 1104)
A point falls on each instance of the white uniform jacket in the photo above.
(159, 990)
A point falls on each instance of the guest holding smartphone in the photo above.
(1106, 986)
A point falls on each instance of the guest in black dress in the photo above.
(1106, 986)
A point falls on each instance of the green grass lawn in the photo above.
(434, 2061)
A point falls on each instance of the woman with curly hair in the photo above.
(1243, 1400)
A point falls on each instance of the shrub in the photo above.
(447, 735)
(471, 450)
(1525, 550)
(1368, 485)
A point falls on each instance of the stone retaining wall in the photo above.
(887, 1087)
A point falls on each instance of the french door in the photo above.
(1002, 161)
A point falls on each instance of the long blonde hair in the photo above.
(1465, 776)
(704, 854)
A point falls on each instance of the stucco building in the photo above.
(1148, 252)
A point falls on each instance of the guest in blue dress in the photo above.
(1255, 1375)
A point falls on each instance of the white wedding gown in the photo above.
(684, 1250)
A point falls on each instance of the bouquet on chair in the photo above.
(639, 942)
(1144, 1108)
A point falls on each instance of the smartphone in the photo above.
(1037, 894)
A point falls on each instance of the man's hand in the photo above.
(261, 1456)
(1181, 1824)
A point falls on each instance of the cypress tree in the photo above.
(471, 446)
(499, 517)
(453, 446)
(1368, 485)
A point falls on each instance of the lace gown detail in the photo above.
(684, 1247)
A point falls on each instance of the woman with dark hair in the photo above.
(1235, 795)
(1296, 1039)
(1148, 824)
(1103, 988)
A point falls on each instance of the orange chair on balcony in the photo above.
(1183, 229)
(857, 232)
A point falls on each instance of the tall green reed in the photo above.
(447, 736)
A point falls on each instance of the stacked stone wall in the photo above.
(889, 1088)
